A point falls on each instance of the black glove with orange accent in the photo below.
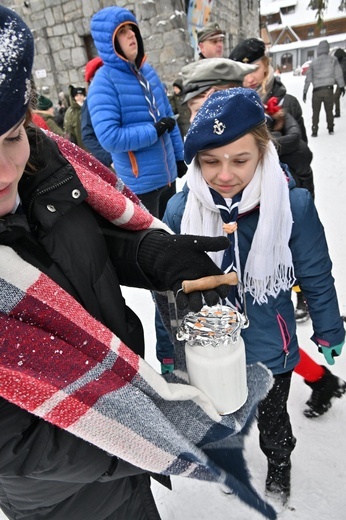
(168, 260)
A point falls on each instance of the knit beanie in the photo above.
(178, 83)
(76, 90)
(223, 118)
(16, 59)
(43, 103)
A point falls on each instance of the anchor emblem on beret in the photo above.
(218, 127)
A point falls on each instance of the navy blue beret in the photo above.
(224, 117)
(16, 59)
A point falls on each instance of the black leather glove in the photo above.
(181, 169)
(169, 259)
(166, 124)
(304, 98)
(342, 91)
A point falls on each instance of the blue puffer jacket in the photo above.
(271, 337)
(120, 113)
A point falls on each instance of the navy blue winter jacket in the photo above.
(271, 337)
(120, 112)
(90, 140)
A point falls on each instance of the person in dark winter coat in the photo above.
(291, 148)
(264, 80)
(72, 117)
(340, 54)
(66, 333)
(323, 72)
(235, 180)
(90, 140)
(131, 113)
(180, 108)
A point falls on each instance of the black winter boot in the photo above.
(278, 481)
(323, 391)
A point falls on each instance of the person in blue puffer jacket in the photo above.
(131, 113)
(236, 185)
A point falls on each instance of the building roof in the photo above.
(274, 6)
(313, 42)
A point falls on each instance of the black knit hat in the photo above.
(249, 50)
(16, 59)
(76, 90)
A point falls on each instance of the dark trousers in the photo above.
(322, 95)
(276, 438)
(156, 201)
(337, 95)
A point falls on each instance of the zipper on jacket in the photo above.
(166, 163)
(67, 179)
(286, 338)
(134, 165)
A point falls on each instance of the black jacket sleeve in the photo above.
(123, 248)
(32, 447)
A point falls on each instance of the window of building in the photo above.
(311, 33)
(270, 19)
(288, 10)
(323, 30)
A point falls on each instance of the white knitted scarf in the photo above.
(269, 266)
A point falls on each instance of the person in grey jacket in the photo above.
(323, 73)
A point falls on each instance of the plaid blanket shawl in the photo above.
(62, 365)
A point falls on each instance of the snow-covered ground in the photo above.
(318, 473)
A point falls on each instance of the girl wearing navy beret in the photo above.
(237, 186)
